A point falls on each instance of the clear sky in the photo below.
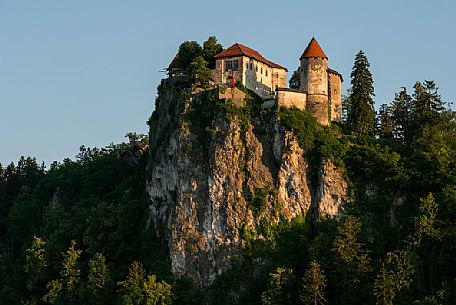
(85, 72)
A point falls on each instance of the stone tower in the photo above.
(314, 80)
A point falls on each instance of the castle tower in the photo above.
(314, 80)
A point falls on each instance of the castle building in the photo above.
(319, 92)
(242, 64)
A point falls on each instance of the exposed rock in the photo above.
(331, 192)
(201, 193)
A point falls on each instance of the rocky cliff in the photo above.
(220, 169)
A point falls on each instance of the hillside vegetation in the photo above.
(78, 232)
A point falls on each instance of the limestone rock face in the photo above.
(330, 195)
(206, 193)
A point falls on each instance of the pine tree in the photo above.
(36, 263)
(427, 107)
(395, 274)
(313, 285)
(131, 289)
(352, 262)
(98, 280)
(139, 289)
(65, 290)
(401, 114)
(361, 115)
(385, 125)
(280, 287)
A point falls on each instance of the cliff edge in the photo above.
(221, 169)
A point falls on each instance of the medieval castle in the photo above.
(320, 87)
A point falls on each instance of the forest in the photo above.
(78, 231)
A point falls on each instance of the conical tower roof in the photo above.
(313, 50)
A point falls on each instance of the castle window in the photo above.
(246, 65)
(261, 70)
(277, 75)
(266, 72)
(231, 65)
(251, 66)
(256, 68)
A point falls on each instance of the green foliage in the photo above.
(26, 209)
(99, 283)
(99, 200)
(319, 143)
(260, 198)
(352, 262)
(361, 114)
(131, 290)
(157, 293)
(313, 285)
(211, 47)
(395, 274)
(141, 290)
(295, 80)
(188, 51)
(199, 71)
(396, 244)
(427, 104)
(385, 128)
(401, 114)
(35, 263)
(186, 293)
(65, 289)
(425, 222)
(280, 288)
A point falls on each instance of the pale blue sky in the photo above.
(85, 72)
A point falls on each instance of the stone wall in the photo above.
(314, 80)
(318, 107)
(314, 75)
(279, 78)
(231, 93)
(335, 95)
(291, 98)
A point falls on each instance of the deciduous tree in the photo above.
(211, 47)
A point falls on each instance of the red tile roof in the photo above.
(313, 50)
(238, 49)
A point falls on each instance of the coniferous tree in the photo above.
(427, 107)
(385, 125)
(141, 290)
(401, 114)
(361, 113)
(131, 289)
(313, 286)
(98, 287)
(35, 267)
(352, 262)
(65, 290)
(395, 274)
(280, 288)
(295, 80)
